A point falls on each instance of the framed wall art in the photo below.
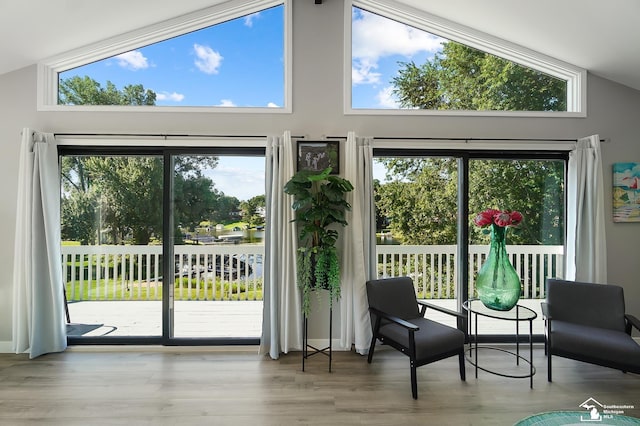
(626, 192)
(318, 155)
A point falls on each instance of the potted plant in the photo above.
(319, 203)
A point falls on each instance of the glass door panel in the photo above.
(219, 217)
(416, 225)
(111, 229)
(535, 188)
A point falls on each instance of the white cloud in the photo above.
(133, 60)
(386, 99)
(248, 20)
(208, 59)
(166, 96)
(374, 37)
(226, 103)
(272, 105)
(240, 177)
(362, 72)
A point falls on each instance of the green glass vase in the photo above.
(497, 282)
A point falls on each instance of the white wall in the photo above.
(613, 112)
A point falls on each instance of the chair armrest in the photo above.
(545, 310)
(632, 321)
(441, 309)
(399, 321)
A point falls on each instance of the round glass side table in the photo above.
(517, 315)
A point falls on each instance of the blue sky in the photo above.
(243, 177)
(236, 63)
(240, 177)
(378, 44)
(241, 63)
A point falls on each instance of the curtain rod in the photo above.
(165, 135)
(404, 138)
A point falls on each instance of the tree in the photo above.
(533, 187)
(225, 208)
(130, 192)
(421, 200)
(464, 78)
(251, 210)
(86, 91)
(420, 203)
(194, 200)
(78, 217)
(124, 196)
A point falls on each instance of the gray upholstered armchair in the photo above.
(397, 321)
(587, 322)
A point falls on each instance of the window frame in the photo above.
(485, 150)
(48, 70)
(166, 148)
(575, 77)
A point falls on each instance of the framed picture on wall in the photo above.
(318, 155)
(626, 192)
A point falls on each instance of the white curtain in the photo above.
(38, 295)
(586, 258)
(359, 245)
(281, 318)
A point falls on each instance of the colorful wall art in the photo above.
(626, 192)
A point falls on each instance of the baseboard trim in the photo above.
(6, 347)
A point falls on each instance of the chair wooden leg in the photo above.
(463, 371)
(549, 365)
(414, 380)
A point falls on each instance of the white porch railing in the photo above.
(127, 272)
(434, 269)
(234, 271)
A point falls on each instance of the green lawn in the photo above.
(185, 289)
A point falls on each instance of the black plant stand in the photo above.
(306, 353)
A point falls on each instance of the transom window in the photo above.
(231, 58)
(415, 63)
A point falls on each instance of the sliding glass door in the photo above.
(535, 188)
(417, 209)
(163, 245)
(218, 245)
(425, 205)
(111, 213)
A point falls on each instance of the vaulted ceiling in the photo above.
(597, 35)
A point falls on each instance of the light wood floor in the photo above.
(236, 386)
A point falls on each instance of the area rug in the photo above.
(574, 418)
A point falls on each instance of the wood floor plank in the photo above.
(220, 386)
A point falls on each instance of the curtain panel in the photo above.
(359, 245)
(38, 292)
(282, 318)
(586, 258)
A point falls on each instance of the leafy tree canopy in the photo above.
(420, 203)
(123, 195)
(421, 200)
(87, 91)
(464, 78)
(251, 210)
